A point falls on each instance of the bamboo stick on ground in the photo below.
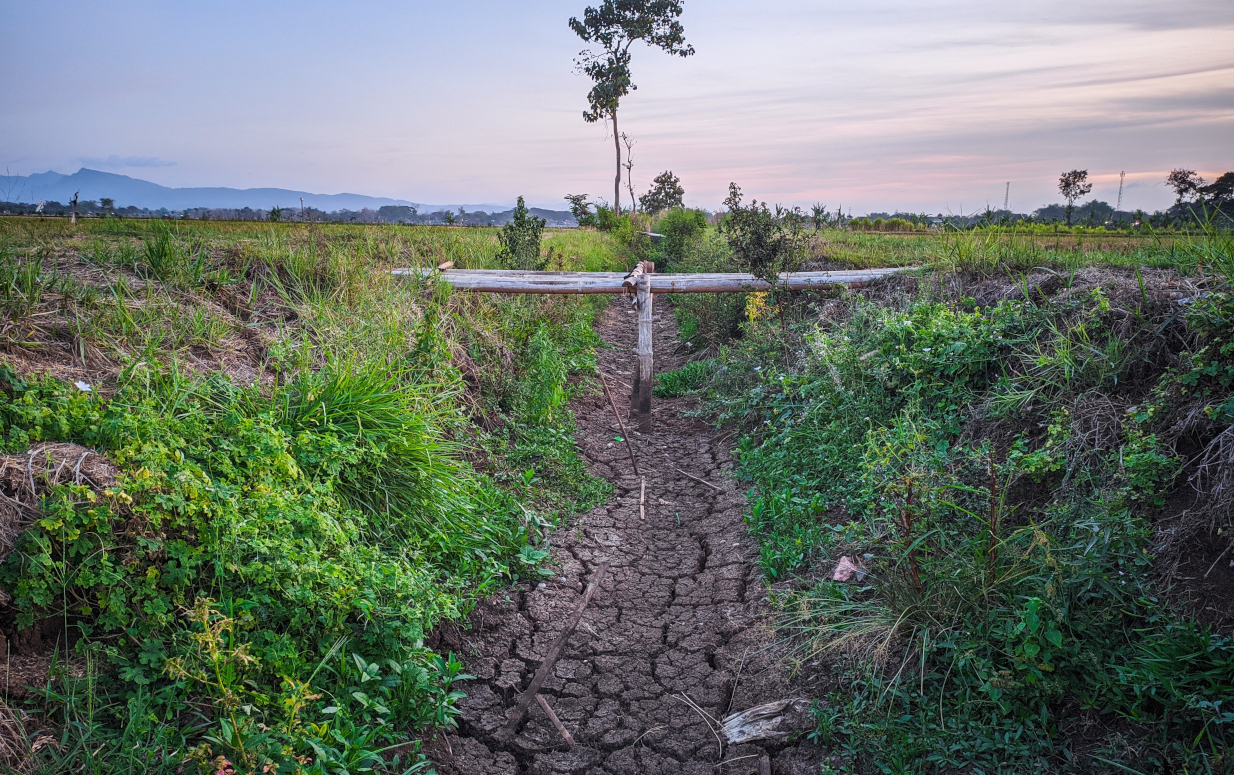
(550, 658)
(701, 481)
(556, 721)
(625, 436)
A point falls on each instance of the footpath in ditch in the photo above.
(675, 637)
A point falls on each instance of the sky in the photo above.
(877, 105)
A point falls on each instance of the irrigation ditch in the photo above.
(673, 640)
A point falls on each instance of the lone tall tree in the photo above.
(614, 27)
(1073, 185)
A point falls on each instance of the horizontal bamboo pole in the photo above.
(515, 281)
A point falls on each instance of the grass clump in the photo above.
(689, 379)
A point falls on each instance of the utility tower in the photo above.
(1121, 177)
(1007, 196)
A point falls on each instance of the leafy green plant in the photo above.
(764, 243)
(681, 230)
(520, 240)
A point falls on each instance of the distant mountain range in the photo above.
(126, 191)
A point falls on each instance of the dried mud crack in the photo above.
(677, 621)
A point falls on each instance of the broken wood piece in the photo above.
(772, 721)
(556, 721)
(703, 481)
(764, 765)
(550, 658)
(445, 266)
(620, 423)
(642, 498)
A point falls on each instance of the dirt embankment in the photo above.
(676, 623)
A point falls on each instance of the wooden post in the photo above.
(631, 283)
(646, 365)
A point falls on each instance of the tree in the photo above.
(276, 214)
(614, 27)
(818, 216)
(520, 240)
(1074, 185)
(107, 204)
(665, 194)
(1221, 191)
(580, 208)
(1186, 184)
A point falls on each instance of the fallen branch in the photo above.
(642, 499)
(703, 481)
(550, 658)
(556, 721)
(620, 423)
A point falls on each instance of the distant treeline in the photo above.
(1091, 214)
(388, 214)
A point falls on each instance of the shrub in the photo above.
(681, 229)
(764, 243)
(708, 318)
(520, 240)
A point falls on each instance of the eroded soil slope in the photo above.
(677, 620)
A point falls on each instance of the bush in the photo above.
(520, 241)
(681, 229)
(708, 318)
(764, 243)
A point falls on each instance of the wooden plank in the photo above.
(511, 281)
(550, 658)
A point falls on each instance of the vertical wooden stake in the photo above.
(646, 366)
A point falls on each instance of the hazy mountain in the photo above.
(53, 186)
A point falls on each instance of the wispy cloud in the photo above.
(115, 161)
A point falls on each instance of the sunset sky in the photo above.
(873, 105)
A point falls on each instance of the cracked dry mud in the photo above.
(679, 614)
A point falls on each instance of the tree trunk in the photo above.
(617, 181)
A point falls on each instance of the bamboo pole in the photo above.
(514, 281)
